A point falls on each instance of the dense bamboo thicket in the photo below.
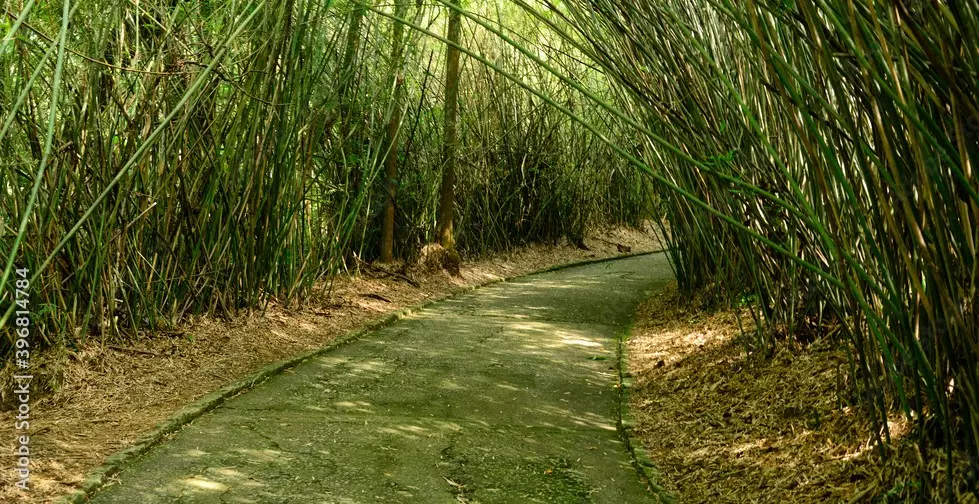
(170, 157)
(816, 160)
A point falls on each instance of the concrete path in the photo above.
(503, 395)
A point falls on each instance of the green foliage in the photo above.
(207, 157)
(902, 492)
(846, 196)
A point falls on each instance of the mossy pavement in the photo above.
(502, 395)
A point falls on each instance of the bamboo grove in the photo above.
(175, 158)
(814, 160)
(817, 158)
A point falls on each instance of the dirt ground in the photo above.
(723, 426)
(111, 394)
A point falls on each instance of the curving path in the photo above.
(502, 395)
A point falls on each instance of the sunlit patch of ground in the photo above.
(722, 426)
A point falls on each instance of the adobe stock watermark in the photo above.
(22, 377)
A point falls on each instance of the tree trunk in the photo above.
(348, 72)
(350, 53)
(394, 125)
(447, 191)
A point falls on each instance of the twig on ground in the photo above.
(396, 275)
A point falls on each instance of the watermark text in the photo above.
(22, 377)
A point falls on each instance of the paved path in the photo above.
(502, 395)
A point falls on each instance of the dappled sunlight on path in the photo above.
(501, 395)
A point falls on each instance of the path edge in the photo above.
(117, 462)
(626, 422)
